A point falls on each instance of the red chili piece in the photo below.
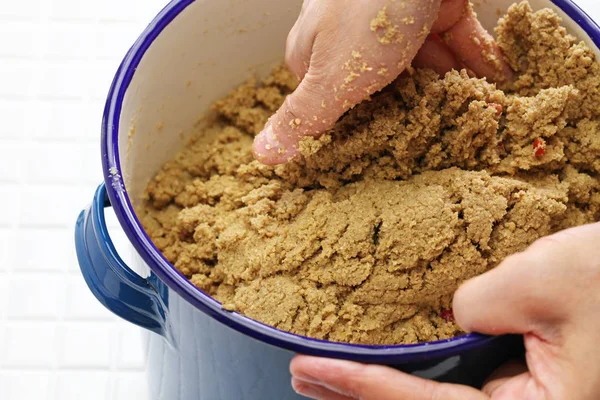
(498, 108)
(539, 147)
(447, 315)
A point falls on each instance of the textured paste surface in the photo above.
(433, 181)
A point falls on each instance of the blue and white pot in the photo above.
(192, 54)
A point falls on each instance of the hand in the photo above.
(550, 293)
(344, 51)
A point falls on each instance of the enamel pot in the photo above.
(191, 54)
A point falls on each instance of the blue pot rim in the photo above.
(180, 284)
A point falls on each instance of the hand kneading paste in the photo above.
(366, 237)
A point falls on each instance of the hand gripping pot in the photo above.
(190, 55)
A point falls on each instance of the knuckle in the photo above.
(301, 102)
(359, 387)
(291, 51)
(312, 85)
(290, 59)
(291, 108)
(549, 248)
(548, 242)
(538, 252)
(432, 391)
(297, 54)
(290, 47)
(517, 259)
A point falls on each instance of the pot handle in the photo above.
(114, 284)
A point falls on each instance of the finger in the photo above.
(435, 55)
(297, 51)
(373, 382)
(299, 116)
(301, 38)
(526, 292)
(313, 391)
(348, 63)
(522, 386)
(476, 48)
(505, 299)
(506, 372)
(513, 381)
(451, 11)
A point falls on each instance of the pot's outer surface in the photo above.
(192, 54)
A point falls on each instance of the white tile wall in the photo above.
(7, 250)
(86, 344)
(11, 160)
(29, 344)
(11, 197)
(57, 59)
(127, 382)
(20, 10)
(85, 307)
(44, 299)
(24, 385)
(89, 385)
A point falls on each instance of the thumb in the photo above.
(531, 291)
(311, 109)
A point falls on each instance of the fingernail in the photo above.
(270, 149)
(307, 389)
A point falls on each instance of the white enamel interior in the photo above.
(209, 49)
